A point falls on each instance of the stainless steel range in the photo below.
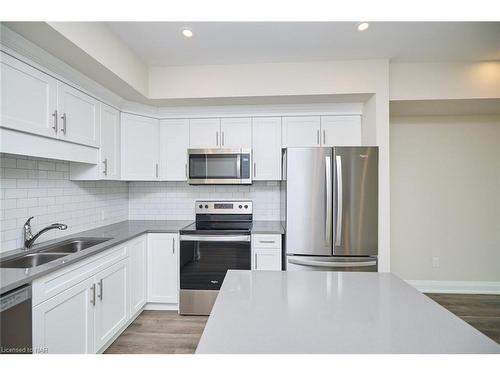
(217, 241)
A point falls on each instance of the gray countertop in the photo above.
(11, 278)
(332, 312)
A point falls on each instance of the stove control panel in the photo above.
(223, 207)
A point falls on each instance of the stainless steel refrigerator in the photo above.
(331, 208)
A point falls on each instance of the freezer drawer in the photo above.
(337, 264)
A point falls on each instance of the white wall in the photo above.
(175, 200)
(445, 197)
(444, 80)
(41, 188)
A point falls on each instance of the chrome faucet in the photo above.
(29, 238)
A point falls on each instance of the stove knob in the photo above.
(246, 205)
(200, 206)
(206, 206)
(240, 206)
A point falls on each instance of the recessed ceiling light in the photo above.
(363, 26)
(187, 33)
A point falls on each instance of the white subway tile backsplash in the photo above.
(36, 187)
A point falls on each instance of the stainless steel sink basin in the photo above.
(52, 252)
(73, 245)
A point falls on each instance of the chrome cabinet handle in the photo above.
(267, 241)
(63, 117)
(317, 136)
(324, 136)
(92, 300)
(255, 261)
(216, 138)
(105, 162)
(100, 289)
(338, 231)
(222, 138)
(156, 170)
(173, 245)
(255, 169)
(328, 180)
(55, 121)
(186, 169)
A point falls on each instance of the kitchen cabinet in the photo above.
(111, 302)
(79, 120)
(137, 250)
(139, 147)
(341, 131)
(204, 133)
(236, 132)
(29, 98)
(266, 252)
(301, 131)
(163, 269)
(174, 143)
(266, 141)
(108, 167)
(65, 323)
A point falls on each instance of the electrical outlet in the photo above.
(435, 262)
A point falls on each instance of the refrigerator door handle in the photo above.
(328, 180)
(317, 263)
(338, 231)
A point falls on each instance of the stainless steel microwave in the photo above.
(220, 166)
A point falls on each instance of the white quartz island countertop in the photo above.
(332, 312)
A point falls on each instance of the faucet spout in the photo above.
(30, 238)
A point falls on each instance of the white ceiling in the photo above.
(161, 43)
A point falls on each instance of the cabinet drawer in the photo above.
(60, 280)
(266, 241)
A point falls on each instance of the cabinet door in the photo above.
(174, 142)
(110, 143)
(266, 259)
(236, 132)
(204, 133)
(163, 268)
(266, 139)
(29, 98)
(65, 323)
(139, 147)
(111, 305)
(341, 130)
(301, 131)
(137, 273)
(78, 116)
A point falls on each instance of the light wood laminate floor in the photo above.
(166, 332)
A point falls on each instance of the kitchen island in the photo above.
(332, 312)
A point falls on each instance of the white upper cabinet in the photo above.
(139, 147)
(174, 142)
(204, 133)
(266, 138)
(301, 131)
(236, 132)
(79, 119)
(110, 143)
(29, 98)
(341, 130)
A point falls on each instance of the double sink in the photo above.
(52, 252)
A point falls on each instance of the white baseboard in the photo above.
(463, 287)
(162, 306)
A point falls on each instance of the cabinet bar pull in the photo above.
(156, 170)
(317, 137)
(216, 138)
(254, 169)
(173, 245)
(55, 121)
(186, 169)
(324, 136)
(267, 241)
(100, 290)
(92, 300)
(105, 162)
(222, 138)
(255, 262)
(63, 117)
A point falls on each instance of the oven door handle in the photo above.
(224, 238)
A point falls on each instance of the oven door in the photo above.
(219, 166)
(205, 259)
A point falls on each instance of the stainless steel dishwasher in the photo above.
(15, 317)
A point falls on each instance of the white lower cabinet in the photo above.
(137, 274)
(111, 302)
(65, 323)
(163, 270)
(266, 252)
